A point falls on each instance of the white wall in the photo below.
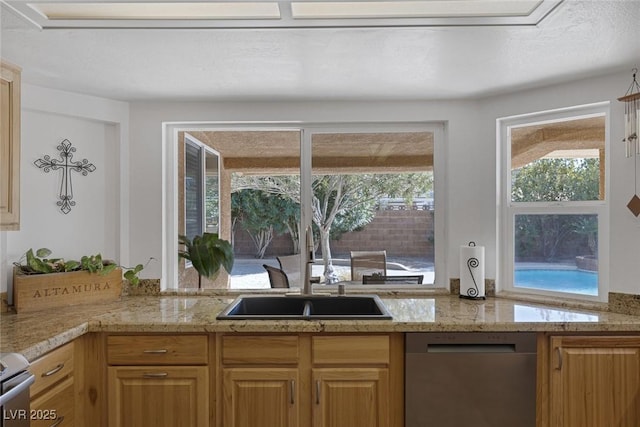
(134, 227)
(465, 197)
(95, 128)
(471, 164)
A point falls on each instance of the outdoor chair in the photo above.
(277, 277)
(368, 262)
(371, 279)
(290, 264)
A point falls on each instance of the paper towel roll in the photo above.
(472, 271)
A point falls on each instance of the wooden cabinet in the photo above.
(351, 397)
(9, 146)
(594, 381)
(261, 397)
(261, 380)
(307, 380)
(158, 381)
(54, 408)
(53, 392)
(350, 377)
(168, 396)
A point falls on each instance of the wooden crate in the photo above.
(39, 291)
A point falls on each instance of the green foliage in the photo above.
(340, 203)
(263, 215)
(554, 180)
(550, 236)
(258, 209)
(38, 263)
(344, 201)
(208, 253)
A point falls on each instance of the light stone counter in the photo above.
(34, 334)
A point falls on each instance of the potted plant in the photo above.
(207, 254)
(43, 282)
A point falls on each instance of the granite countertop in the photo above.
(36, 333)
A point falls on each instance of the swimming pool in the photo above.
(574, 281)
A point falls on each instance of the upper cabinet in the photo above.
(9, 147)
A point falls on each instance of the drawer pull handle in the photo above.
(317, 392)
(158, 351)
(292, 390)
(559, 352)
(58, 422)
(154, 374)
(53, 371)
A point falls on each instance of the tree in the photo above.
(548, 180)
(346, 200)
(261, 215)
(555, 180)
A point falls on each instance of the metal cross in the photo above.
(66, 165)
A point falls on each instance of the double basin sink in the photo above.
(305, 307)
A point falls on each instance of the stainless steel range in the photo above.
(15, 381)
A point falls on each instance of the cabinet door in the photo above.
(170, 396)
(9, 146)
(595, 381)
(351, 397)
(260, 397)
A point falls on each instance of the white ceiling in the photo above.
(578, 39)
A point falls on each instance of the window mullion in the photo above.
(203, 164)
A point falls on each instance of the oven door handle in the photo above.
(15, 391)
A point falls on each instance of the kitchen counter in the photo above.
(34, 334)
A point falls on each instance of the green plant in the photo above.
(38, 263)
(207, 253)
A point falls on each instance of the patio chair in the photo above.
(368, 262)
(370, 279)
(290, 264)
(277, 277)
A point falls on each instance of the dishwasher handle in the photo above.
(471, 348)
(471, 342)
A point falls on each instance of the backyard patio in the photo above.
(248, 273)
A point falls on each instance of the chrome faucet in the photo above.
(309, 258)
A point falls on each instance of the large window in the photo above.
(373, 191)
(554, 202)
(362, 188)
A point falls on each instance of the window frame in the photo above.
(171, 130)
(203, 151)
(507, 210)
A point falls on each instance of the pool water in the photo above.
(573, 281)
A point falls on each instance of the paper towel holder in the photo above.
(473, 293)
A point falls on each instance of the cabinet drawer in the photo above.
(51, 368)
(55, 407)
(157, 350)
(260, 349)
(350, 349)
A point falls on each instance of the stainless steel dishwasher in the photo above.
(470, 379)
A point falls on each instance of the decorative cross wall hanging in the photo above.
(66, 165)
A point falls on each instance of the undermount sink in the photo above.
(305, 307)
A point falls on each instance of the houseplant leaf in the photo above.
(207, 254)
